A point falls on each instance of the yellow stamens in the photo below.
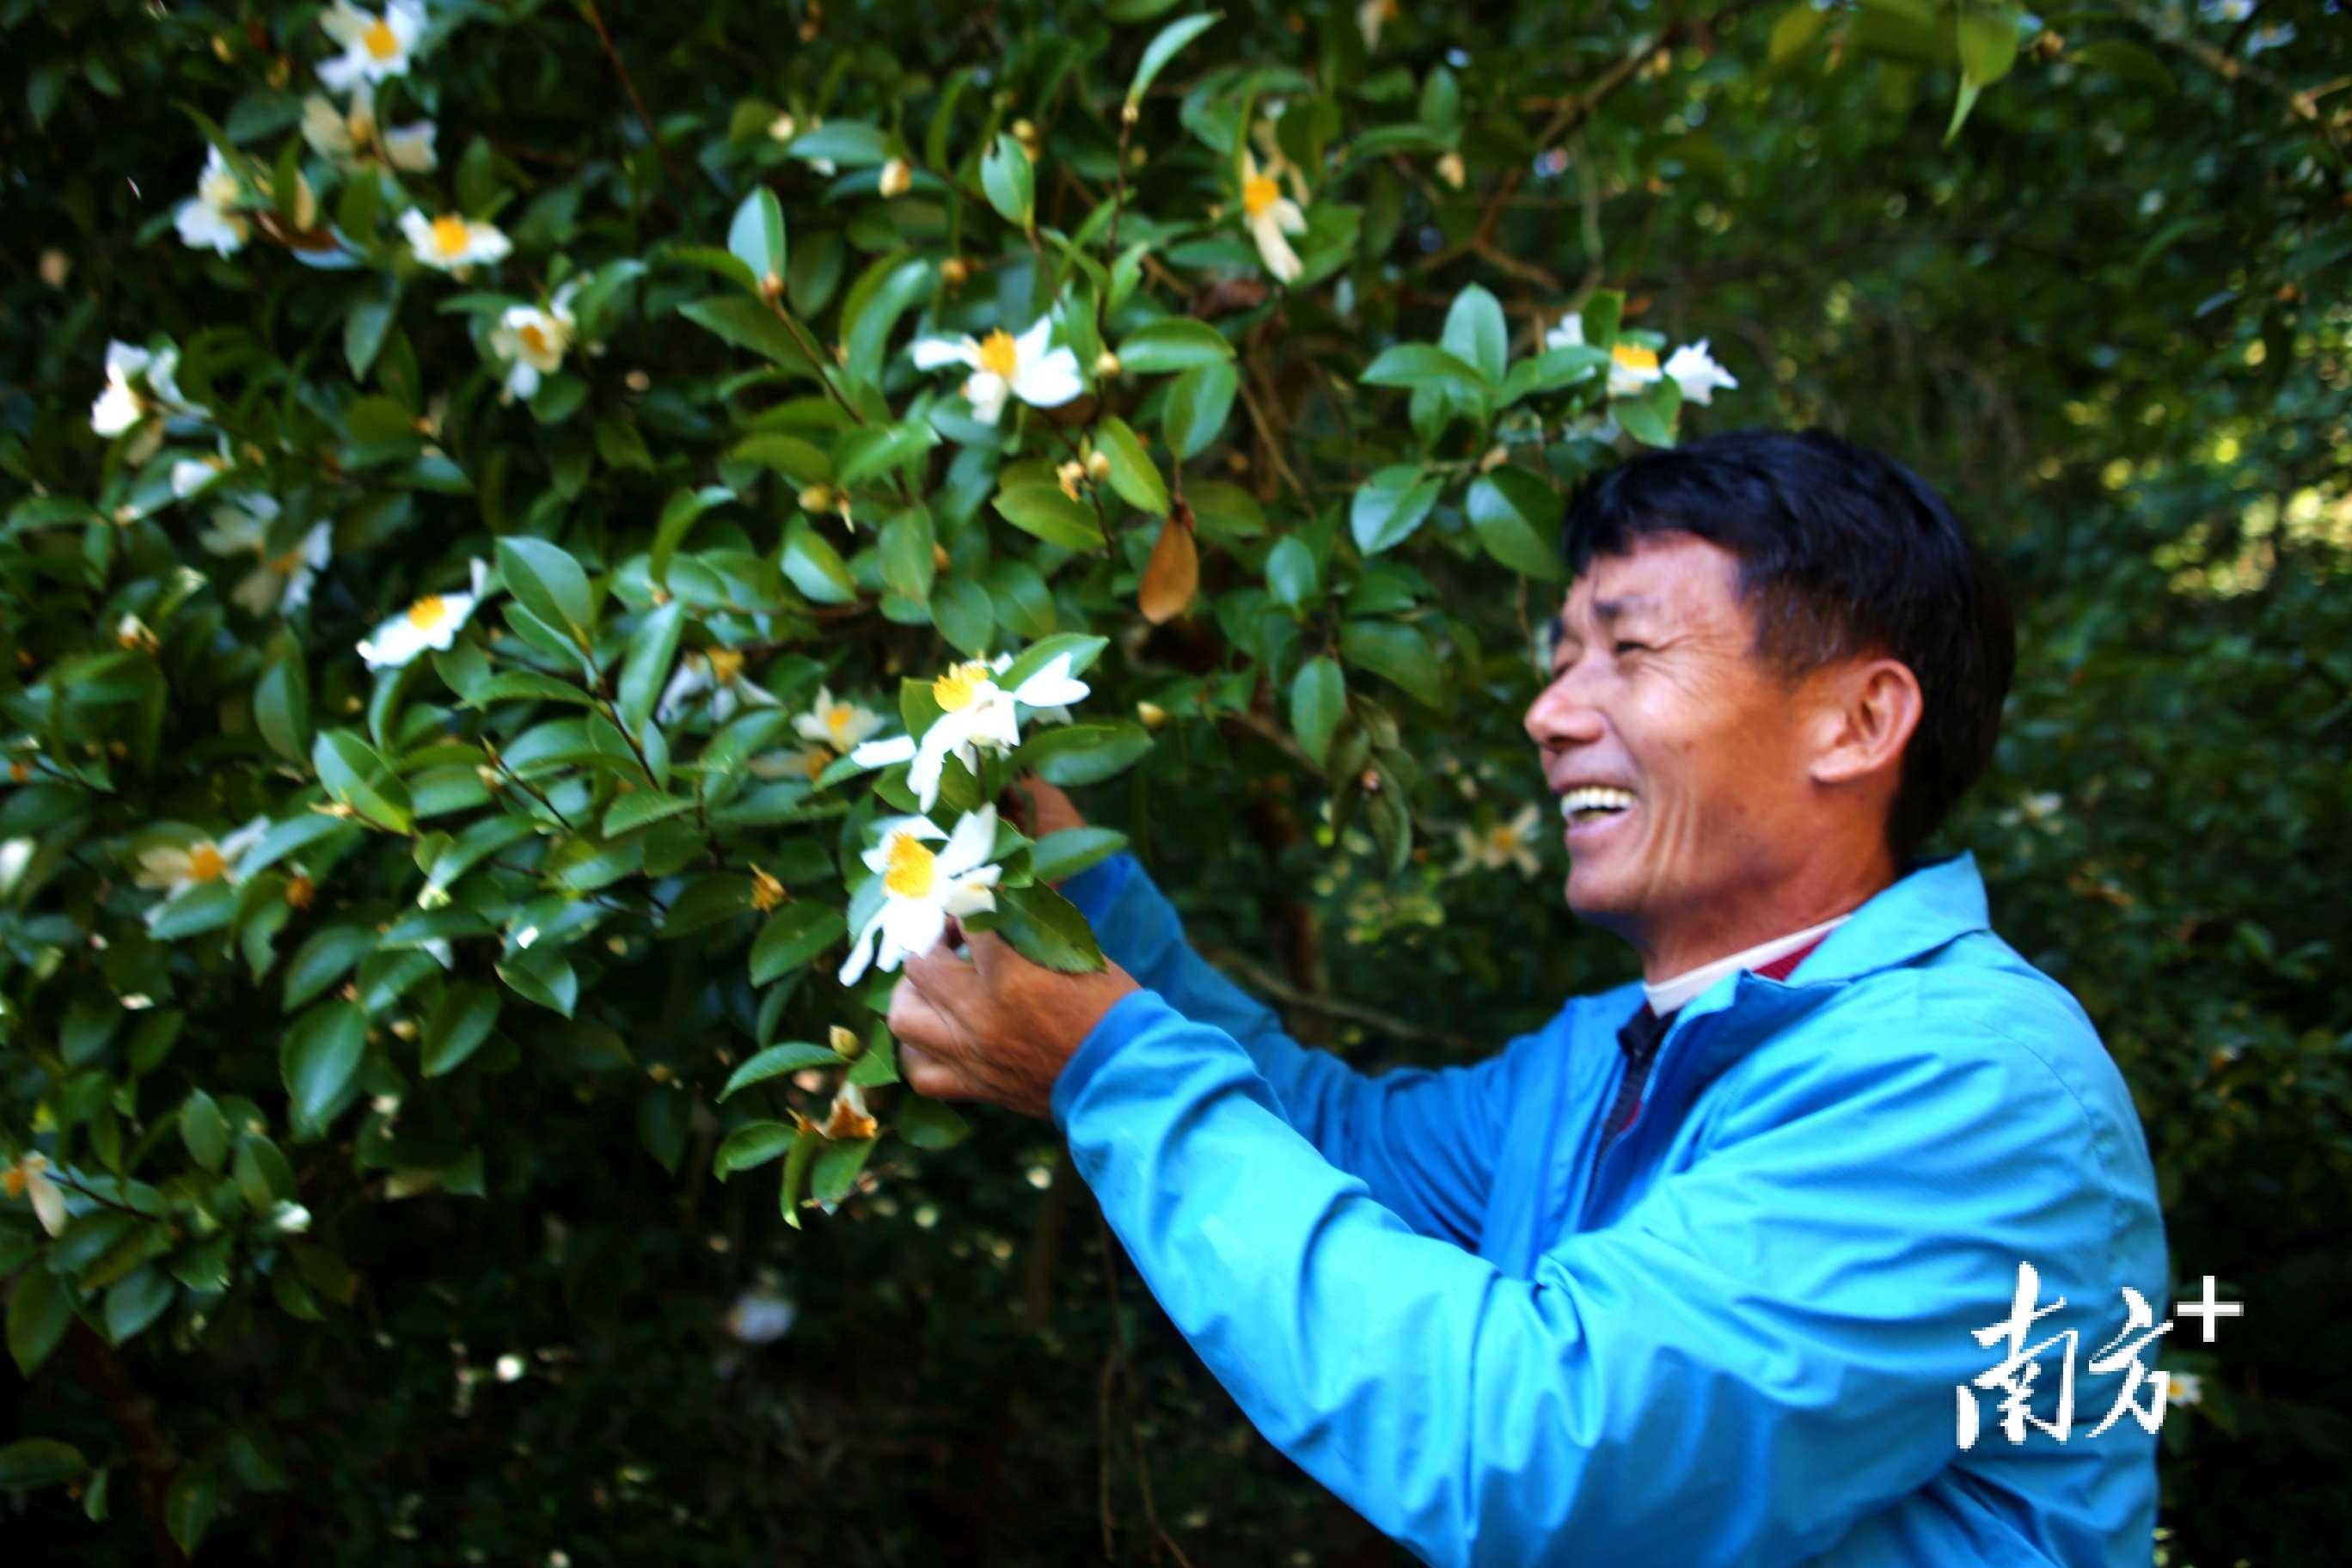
(534, 336)
(380, 39)
(449, 235)
(837, 721)
(1259, 193)
(726, 663)
(815, 761)
(1634, 358)
(205, 864)
(998, 353)
(284, 564)
(767, 891)
(429, 612)
(912, 868)
(15, 1181)
(954, 691)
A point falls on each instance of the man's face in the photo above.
(1676, 754)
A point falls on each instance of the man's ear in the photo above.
(1869, 710)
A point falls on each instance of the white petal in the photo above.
(523, 380)
(1032, 344)
(985, 391)
(49, 1202)
(968, 846)
(913, 925)
(1569, 335)
(115, 411)
(1049, 381)
(930, 353)
(883, 753)
(1272, 249)
(861, 952)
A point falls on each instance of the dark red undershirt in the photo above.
(1639, 1040)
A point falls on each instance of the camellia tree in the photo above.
(555, 590)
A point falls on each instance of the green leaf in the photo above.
(281, 706)
(641, 808)
(1518, 518)
(1987, 40)
(365, 323)
(851, 143)
(1319, 700)
(355, 777)
(1388, 506)
(550, 583)
(1133, 474)
(751, 1145)
(189, 1506)
(204, 1131)
(1163, 48)
(877, 1063)
(1424, 365)
(1197, 406)
(326, 957)
(457, 1026)
(928, 1124)
(653, 648)
(264, 1176)
(39, 1311)
(678, 516)
(876, 449)
(907, 563)
(39, 1462)
(1172, 343)
(756, 237)
(1795, 29)
(136, 1301)
(1060, 856)
(1043, 510)
(1476, 334)
(1067, 755)
(1651, 417)
(777, 1061)
(1291, 574)
(837, 1169)
(319, 1055)
(704, 902)
(2127, 61)
(1395, 652)
(965, 615)
(814, 566)
(797, 1164)
(1009, 183)
(748, 324)
(543, 976)
(1044, 927)
(793, 935)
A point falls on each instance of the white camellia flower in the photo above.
(450, 242)
(1003, 364)
(798, 762)
(122, 405)
(190, 475)
(1271, 216)
(432, 622)
(350, 138)
(534, 341)
(30, 1178)
(719, 671)
(974, 712)
(1694, 370)
(2184, 1388)
(1508, 843)
(373, 47)
(922, 887)
(1370, 16)
(843, 726)
(281, 583)
(176, 867)
(209, 219)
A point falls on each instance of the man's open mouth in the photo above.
(1593, 803)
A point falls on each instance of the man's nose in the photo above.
(1563, 715)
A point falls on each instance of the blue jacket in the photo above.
(1743, 1338)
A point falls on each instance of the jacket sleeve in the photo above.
(1763, 1350)
(1422, 1139)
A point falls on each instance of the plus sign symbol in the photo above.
(2206, 1310)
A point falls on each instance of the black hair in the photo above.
(1842, 551)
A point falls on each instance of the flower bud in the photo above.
(781, 128)
(1131, 113)
(844, 1041)
(1098, 466)
(1106, 364)
(1154, 715)
(772, 287)
(1449, 170)
(816, 498)
(898, 179)
(954, 270)
(1497, 456)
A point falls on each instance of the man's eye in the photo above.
(1624, 646)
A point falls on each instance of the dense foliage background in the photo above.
(406, 1211)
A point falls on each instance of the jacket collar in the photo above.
(1933, 902)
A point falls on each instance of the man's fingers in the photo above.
(931, 1077)
(946, 980)
(913, 1018)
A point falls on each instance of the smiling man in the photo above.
(1714, 1267)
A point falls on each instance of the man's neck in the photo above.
(1720, 933)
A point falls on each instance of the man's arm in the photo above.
(1761, 1351)
(1424, 1141)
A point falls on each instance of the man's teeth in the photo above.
(1593, 801)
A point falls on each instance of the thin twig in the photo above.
(676, 190)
